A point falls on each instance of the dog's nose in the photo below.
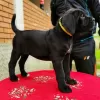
(93, 19)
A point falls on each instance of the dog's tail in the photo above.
(13, 25)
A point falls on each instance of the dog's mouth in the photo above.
(85, 21)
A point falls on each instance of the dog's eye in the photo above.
(82, 15)
(83, 21)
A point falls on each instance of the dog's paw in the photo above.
(65, 88)
(14, 78)
(71, 81)
(24, 74)
(28, 75)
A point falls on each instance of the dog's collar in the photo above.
(62, 27)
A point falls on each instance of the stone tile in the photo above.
(32, 64)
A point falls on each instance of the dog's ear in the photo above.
(69, 23)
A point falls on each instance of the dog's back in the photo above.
(30, 41)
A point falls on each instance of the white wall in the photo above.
(18, 9)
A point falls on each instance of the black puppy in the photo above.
(52, 45)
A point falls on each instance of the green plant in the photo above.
(97, 54)
(98, 66)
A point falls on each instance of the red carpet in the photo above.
(41, 85)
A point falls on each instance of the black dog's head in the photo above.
(85, 24)
(75, 20)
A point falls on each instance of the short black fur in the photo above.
(52, 45)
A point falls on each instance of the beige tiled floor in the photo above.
(32, 64)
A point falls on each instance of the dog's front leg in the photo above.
(66, 67)
(60, 76)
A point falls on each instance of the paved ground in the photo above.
(32, 64)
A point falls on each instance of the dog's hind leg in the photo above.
(21, 65)
(13, 60)
(66, 67)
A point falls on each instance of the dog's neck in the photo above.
(59, 32)
(62, 29)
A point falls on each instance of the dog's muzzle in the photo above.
(85, 28)
(88, 22)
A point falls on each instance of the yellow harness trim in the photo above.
(62, 27)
